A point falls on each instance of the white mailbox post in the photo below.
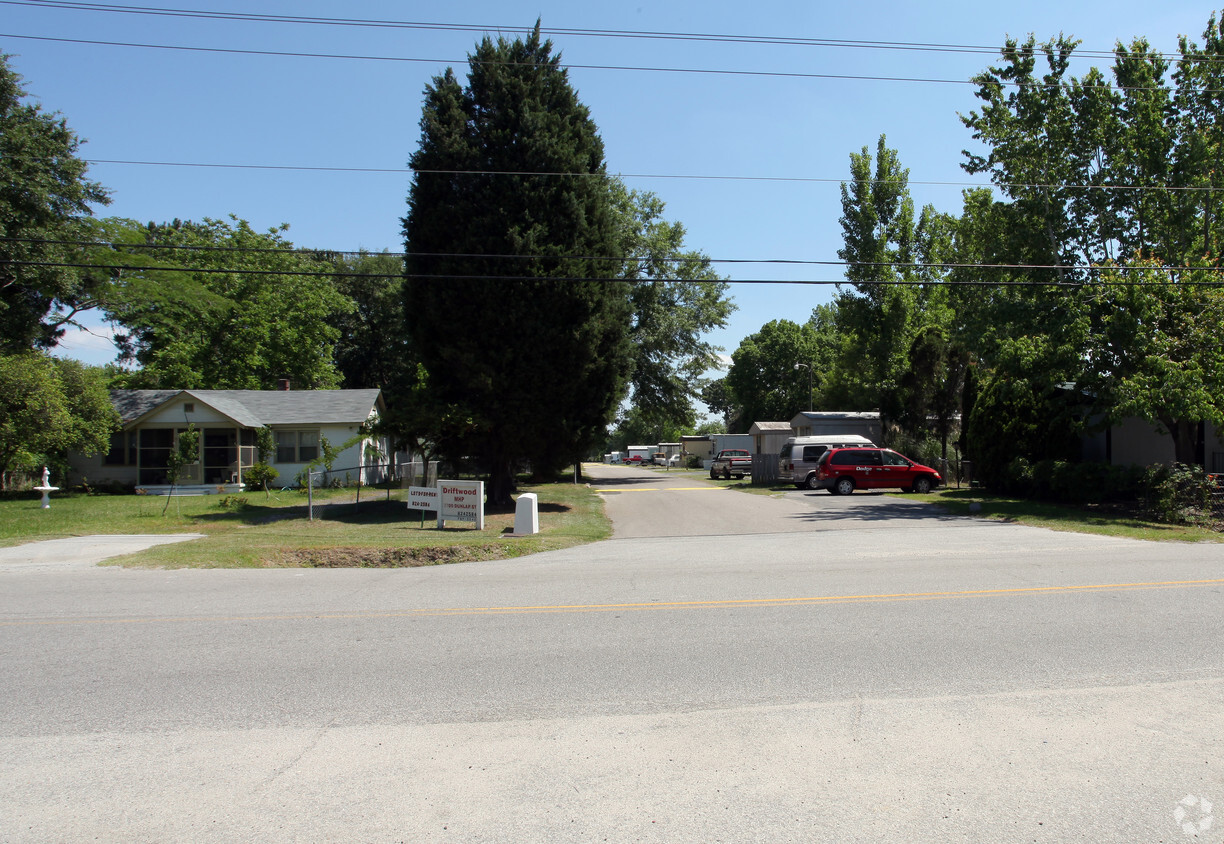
(527, 514)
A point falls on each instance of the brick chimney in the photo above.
(283, 385)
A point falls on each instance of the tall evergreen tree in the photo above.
(509, 294)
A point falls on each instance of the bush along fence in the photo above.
(1175, 493)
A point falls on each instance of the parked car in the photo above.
(799, 455)
(674, 460)
(635, 460)
(659, 459)
(731, 461)
(843, 470)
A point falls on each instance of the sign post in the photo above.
(462, 501)
(422, 498)
(456, 501)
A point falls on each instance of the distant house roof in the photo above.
(259, 408)
(769, 427)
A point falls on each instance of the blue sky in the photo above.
(747, 154)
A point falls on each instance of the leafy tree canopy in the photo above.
(676, 298)
(763, 381)
(1156, 351)
(221, 306)
(894, 288)
(44, 197)
(49, 407)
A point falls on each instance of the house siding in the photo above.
(227, 419)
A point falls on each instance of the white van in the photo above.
(797, 459)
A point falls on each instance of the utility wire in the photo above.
(777, 74)
(458, 277)
(323, 254)
(771, 40)
(407, 59)
(692, 176)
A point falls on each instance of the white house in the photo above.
(227, 421)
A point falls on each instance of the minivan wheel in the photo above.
(844, 486)
(922, 485)
(811, 482)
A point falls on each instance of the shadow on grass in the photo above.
(962, 501)
(375, 511)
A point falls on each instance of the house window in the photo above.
(296, 446)
(123, 449)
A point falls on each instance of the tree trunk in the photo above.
(501, 484)
(1185, 440)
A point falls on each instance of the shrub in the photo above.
(232, 502)
(260, 475)
(1177, 493)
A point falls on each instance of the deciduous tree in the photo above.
(218, 305)
(48, 408)
(763, 381)
(1156, 351)
(676, 297)
(44, 196)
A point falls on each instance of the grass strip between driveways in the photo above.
(249, 530)
(978, 503)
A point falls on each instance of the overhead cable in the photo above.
(577, 279)
(689, 176)
(770, 40)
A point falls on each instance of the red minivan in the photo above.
(843, 470)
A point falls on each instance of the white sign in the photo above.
(423, 498)
(462, 501)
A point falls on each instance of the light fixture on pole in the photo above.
(811, 384)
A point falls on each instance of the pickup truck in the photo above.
(731, 461)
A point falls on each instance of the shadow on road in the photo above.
(872, 507)
(624, 482)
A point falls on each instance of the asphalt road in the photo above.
(729, 667)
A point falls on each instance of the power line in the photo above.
(684, 176)
(777, 74)
(407, 59)
(576, 279)
(770, 40)
(323, 254)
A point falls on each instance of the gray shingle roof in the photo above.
(257, 408)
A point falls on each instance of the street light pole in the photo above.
(811, 384)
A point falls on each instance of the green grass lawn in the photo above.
(978, 503)
(251, 530)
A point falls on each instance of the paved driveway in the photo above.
(81, 551)
(657, 503)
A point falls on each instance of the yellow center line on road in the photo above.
(654, 605)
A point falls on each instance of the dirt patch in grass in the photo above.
(388, 558)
